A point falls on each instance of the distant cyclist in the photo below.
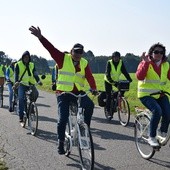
(54, 76)
(73, 70)
(10, 82)
(153, 73)
(114, 68)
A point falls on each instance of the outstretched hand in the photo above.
(36, 31)
(145, 57)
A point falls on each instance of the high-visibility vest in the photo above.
(67, 75)
(26, 80)
(153, 82)
(1, 71)
(115, 74)
(11, 73)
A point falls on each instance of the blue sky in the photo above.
(102, 26)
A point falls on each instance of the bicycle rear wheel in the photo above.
(85, 147)
(142, 122)
(123, 111)
(33, 118)
(1, 96)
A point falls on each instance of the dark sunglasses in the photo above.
(78, 51)
(158, 52)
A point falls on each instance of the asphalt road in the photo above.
(114, 145)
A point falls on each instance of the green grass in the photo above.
(131, 95)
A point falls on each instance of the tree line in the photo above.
(97, 63)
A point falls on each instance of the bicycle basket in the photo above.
(34, 94)
(2, 81)
(123, 85)
(102, 99)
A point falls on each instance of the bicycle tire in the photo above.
(85, 147)
(15, 106)
(141, 133)
(33, 118)
(1, 96)
(123, 111)
(1, 103)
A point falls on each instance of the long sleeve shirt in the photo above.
(143, 68)
(123, 71)
(58, 56)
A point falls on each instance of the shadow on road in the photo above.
(160, 162)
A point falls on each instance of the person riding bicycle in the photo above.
(153, 73)
(114, 68)
(72, 72)
(2, 77)
(54, 76)
(10, 82)
(25, 75)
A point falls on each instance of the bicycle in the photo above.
(119, 103)
(31, 111)
(2, 81)
(141, 132)
(15, 102)
(78, 134)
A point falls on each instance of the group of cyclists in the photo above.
(71, 71)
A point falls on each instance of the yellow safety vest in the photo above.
(26, 80)
(1, 71)
(152, 82)
(67, 75)
(11, 74)
(115, 74)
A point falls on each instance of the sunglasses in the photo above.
(158, 52)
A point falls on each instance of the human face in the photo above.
(26, 59)
(76, 55)
(157, 54)
(116, 59)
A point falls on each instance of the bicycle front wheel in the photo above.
(33, 118)
(142, 123)
(123, 111)
(1, 96)
(85, 147)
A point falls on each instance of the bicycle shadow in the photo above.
(97, 166)
(160, 162)
(47, 119)
(43, 105)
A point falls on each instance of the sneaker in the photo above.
(10, 109)
(109, 117)
(153, 141)
(161, 134)
(60, 148)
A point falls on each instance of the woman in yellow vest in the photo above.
(114, 68)
(25, 73)
(10, 82)
(153, 73)
(73, 70)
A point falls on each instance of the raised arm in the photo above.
(36, 31)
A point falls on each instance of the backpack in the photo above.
(102, 99)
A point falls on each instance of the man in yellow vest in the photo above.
(153, 73)
(10, 82)
(25, 75)
(114, 68)
(2, 79)
(72, 72)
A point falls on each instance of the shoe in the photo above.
(153, 141)
(161, 134)
(10, 109)
(108, 115)
(60, 148)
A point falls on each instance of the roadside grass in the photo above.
(131, 95)
(3, 165)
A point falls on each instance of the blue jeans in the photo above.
(11, 94)
(160, 108)
(63, 111)
(22, 102)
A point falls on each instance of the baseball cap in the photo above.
(78, 48)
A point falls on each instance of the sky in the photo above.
(102, 26)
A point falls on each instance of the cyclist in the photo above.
(2, 77)
(114, 68)
(72, 72)
(54, 76)
(153, 73)
(10, 82)
(25, 75)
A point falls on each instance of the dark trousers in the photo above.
(63, 111)
(108, 89)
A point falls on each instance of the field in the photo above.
(131, 95)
